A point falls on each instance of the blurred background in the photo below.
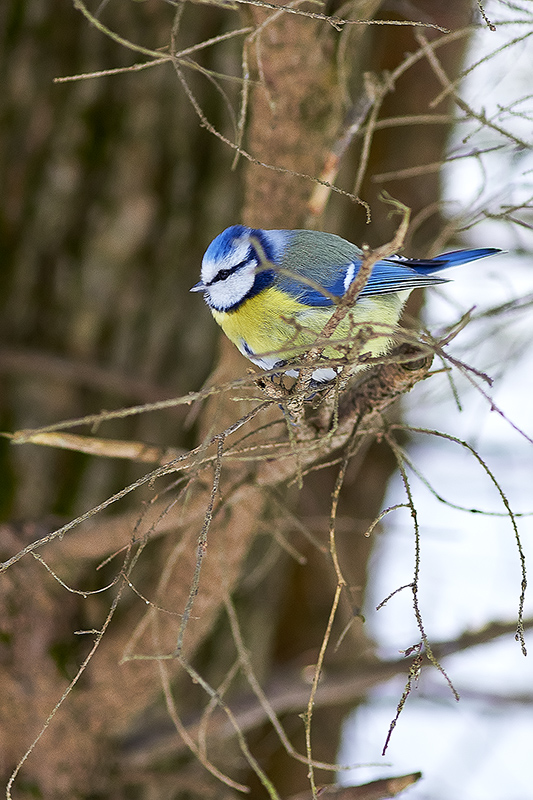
(113, 186)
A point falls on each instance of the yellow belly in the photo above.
(275, 327)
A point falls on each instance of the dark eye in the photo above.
(223, 274)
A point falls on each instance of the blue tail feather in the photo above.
(453, 259)
(397, 273)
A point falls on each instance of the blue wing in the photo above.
(394, 274)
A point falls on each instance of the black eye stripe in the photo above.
(223, 274)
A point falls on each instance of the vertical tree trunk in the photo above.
(296, 130)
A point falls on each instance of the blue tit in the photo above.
(273, 291)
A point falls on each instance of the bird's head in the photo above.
(236, 265)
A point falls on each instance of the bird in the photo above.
(273, 291)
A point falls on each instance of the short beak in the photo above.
(198, 287)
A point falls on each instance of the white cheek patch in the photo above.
(229, 292)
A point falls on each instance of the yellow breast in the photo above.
(263, 323)
(275, 325)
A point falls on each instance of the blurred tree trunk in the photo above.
(296, 138)
(112, 191)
